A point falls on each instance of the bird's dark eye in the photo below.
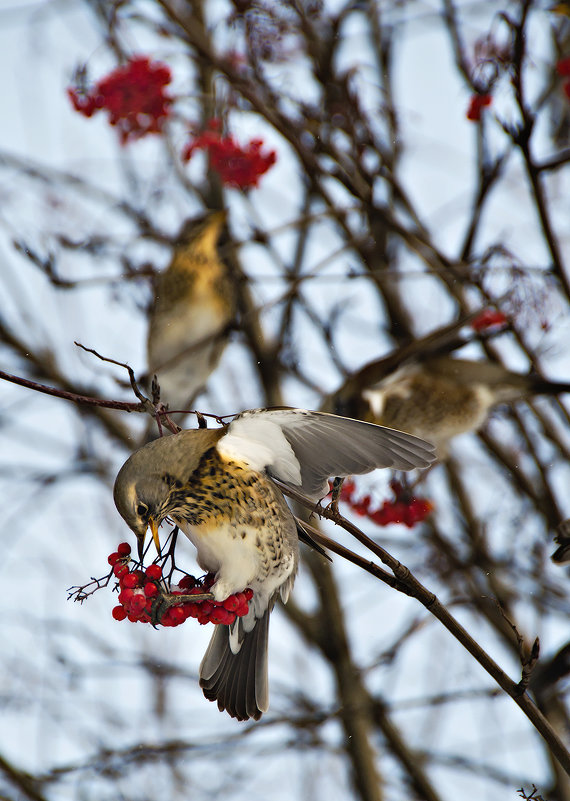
(142, 509)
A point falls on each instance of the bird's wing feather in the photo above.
(303, 448)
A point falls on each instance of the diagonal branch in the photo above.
(414, 588)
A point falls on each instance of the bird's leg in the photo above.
(333, 505)
(336, 490)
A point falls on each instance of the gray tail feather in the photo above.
(238, 682)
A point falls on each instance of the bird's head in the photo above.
(204, 232)
(146, 484)
(141, 496)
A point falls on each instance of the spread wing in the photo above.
(304, 448)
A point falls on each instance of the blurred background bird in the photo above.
(194, 306)
(442, 397)
(217, 486)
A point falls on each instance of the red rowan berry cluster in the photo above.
(237, 166)
(141, 592)
(405, 508)
(138, 104)
(134, 96)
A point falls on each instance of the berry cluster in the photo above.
(143, 592)
(237, 166)
(476, 105)
(134, 96)
(405, 508)
(138, 104)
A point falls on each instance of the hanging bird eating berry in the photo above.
(217, 486)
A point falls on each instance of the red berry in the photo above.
(563, 67)
(130, 581)
(361, 507)
(120, 570)
(380, 517)
(113, 558)
(176, 615)
(138, 602)
(193, 609)
(150, 589)
(476, 104)
(126, 596)
(218, 615)
(124, 549)
(488, 318)
(399, 512)
(418, 510)
(206, 607)
(187, 583)
(154, 572)
(119, 612)
(231, 603)
(347, 490)
(248, 592)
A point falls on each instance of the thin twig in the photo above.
(86, 400)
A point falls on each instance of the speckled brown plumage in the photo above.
(224, 493)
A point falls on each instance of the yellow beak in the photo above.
(152, 524)
(154, 529)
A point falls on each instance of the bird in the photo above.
(218, 485)
(194, 305)
(442, 396)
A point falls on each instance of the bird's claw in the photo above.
(164, 601)
(336, 490)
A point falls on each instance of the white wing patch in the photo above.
(260, 444)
